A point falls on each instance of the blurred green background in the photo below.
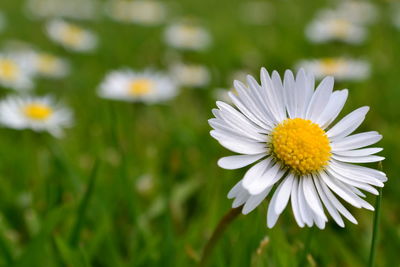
(158, 194)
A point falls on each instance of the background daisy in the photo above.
(35, 113)
(71, 36)
(147, 86)
(187, 36)
(340, 68)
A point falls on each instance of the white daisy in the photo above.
(284, 129)
(35, 113)
(187, 36)
(147, 86)
(145, 12)
(47, 65)
(330, 28)
(74, 9)
(362, 12)
(15, 73)
(341, 68)
(190, 75)
(71, 36)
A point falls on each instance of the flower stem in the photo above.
(229, 217)
(375, 227)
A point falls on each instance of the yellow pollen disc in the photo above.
(37, 111)
(330, 65)
(72, 35)
(8, 69)
(301, 145)
(341, 27)
(140, 87)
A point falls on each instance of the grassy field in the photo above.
(138, 185)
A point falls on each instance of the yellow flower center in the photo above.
(140, 87)
(330, 65)
(72, 35)
(37, 111)
(8, 69)
(341, 27)
(301, 145)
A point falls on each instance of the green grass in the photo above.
(47, 218)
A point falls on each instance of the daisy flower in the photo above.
(361, 12)
(284, 128)
(148, 86)
(71, 36)
(73, 9)
(144, 12)
(47, 65)
(190, 75)
(341, 68)
(35, 113)
(330, 28)
(15, 73)
(187, 36)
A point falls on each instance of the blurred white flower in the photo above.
(73, 9)
(341, 68)
(361, 12)
(187, 36)
(147, 86)
(47, 65)
(71, 36)
(35, 113)
(15, 72)
(190, 75)
(330, 28)
(256, 12)
(145, 12)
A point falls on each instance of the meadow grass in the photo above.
(77, 201)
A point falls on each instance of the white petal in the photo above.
(305, 211)
(356, 141)
(311, 197)
(320, 98)
(254, 201)
(255, 172)
(274, 96)
(269, 178)
(327, 203)
(238, 161)
(359, 152)
(235, 190)
(336, 203)
(240, 199)
(332, 110)
(283, 193)
(288, 92)
(294, 198)
(339, 190)
(365, 159)
(348, 124)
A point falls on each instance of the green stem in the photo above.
(375, 228)
(222, 225)
(307, 246)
